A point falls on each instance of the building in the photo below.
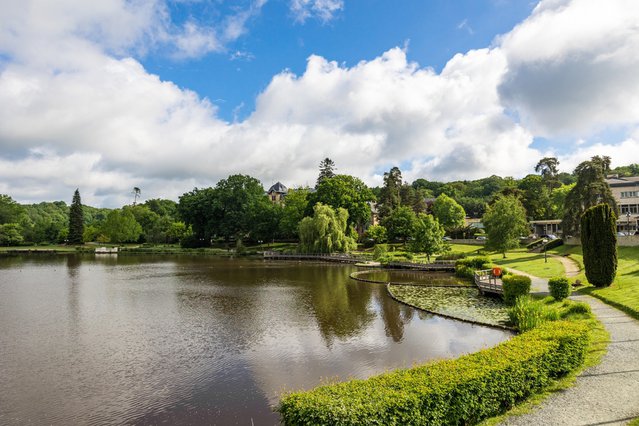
(626, 193)
(546, 227)
(277, 193)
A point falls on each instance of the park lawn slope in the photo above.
(460, 391)
(530, 263)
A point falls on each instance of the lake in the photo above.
(196, 340)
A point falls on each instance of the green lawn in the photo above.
(520, 259)
(624, 292)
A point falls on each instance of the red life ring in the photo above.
(497, 272)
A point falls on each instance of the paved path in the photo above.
(607, 394)
(571, 267)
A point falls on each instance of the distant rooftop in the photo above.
(279, 188)
(622, 181)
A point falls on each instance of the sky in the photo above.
(169, 95)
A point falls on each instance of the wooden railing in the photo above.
(487, 282)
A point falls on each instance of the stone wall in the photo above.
(631, 241)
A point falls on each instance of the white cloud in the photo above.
(324, 10)
(73, 113)
(572, 66)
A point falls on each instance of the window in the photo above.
(629, 194)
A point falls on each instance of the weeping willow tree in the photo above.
(326, 231)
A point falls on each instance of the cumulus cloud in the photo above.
(572, 66)
(73, 113)
(324, 10)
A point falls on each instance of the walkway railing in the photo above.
(488, 283)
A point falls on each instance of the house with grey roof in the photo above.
(277, 193)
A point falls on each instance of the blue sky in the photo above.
(167, 95)
(433, 32)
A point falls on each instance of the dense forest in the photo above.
(237, 208)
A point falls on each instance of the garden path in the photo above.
(606, 394)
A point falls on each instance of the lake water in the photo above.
(196, 340)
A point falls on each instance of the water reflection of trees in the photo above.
(341, 305)
(395, 316)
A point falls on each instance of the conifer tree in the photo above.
(76, 220)
(599, 244)
(326, 170)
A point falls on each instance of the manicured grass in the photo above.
(624, 292)
(531, 263)
(469, 249)
(42, 248)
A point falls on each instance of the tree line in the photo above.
(237, 210)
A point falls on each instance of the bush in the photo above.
(379, 251)
(559, 288)
(453, 255)
(463, 271)
(476, 262)
(515, 286)
(554, 243)
(578, 308)
(450, 392)
(599, 244)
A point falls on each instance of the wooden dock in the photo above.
(488, 283)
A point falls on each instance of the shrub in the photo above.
(599, 244)
(379, 251)
(476, 262)
(577, 308)
(449, 392)
(463, 271)
(554, 244)
(453, 255)
(525, 314)
(559, 288)
(515, 286)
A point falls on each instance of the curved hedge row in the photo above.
(451, 392)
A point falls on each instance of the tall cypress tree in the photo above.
(76, 220)
(599, 244)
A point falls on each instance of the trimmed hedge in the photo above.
(559, 288)
(451, 392)
(554, 243)
(515, 286)
(534, 244)
(599, 244)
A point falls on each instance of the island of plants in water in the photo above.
(463, 303)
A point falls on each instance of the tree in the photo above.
(448, 212)
(196, 210)
(505, 221)
(10, 211)
(293, 212)
(325, 231)
(377, 233)
(428, 236)
(347, 192)
(599, 244)
(547, 167)
(76, 220)
(120, 226)
(10, 234)
(136, 194)
(590, 189)
(400, 224)
(535, 197)
(326, 170)
(390, 193)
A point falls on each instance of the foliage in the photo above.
(427, 236)
(121, 227)
(591, 189)
(453, 255)
(535, 197)
(10, 234)
(347, 192)
(293, 212)
(451, 392)
(548, 169)
(10, 211)
(559, 287)
(390, 196)
(554, 243)
(400, 224)
(380, 251)
(599, 244)
(326, 171)
(475, 262)
(76, 220)
(377, 233)
(514, 287)
(505, 221)
(527, 313)
(326, 231)
(448, 212)
(465, 303)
